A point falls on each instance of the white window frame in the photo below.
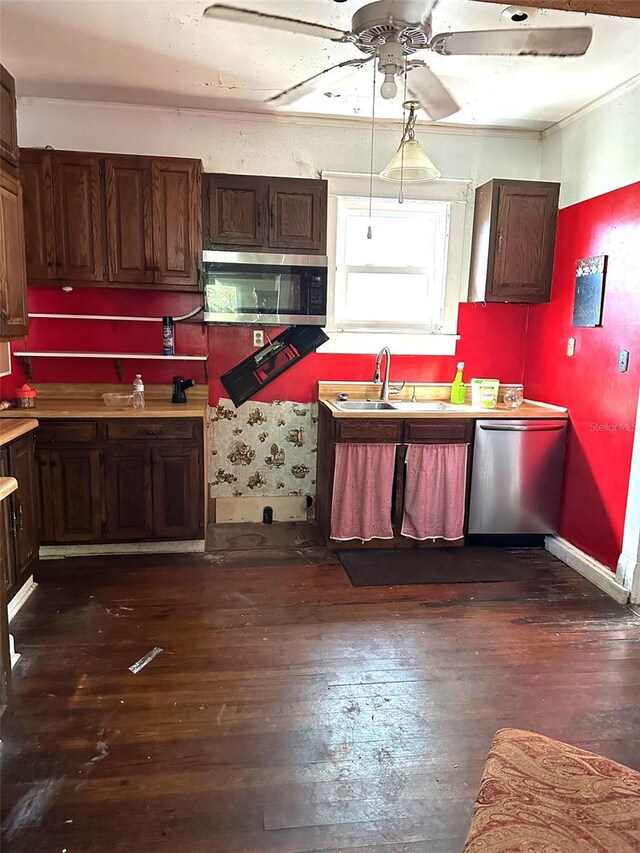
(456, 192)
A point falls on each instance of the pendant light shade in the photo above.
(410, 164)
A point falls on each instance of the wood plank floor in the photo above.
(289, 711)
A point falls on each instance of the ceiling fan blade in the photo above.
(435, 99)
(222, 12)
(294, 93)
(557, 41)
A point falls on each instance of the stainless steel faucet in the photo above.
(384, 391)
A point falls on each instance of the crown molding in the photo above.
(612, 95)
(299, 119)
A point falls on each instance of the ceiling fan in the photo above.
(390, 32)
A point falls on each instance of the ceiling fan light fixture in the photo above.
(389, 89)
(410, 165)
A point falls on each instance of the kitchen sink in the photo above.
(364, 405)
(398, 406)
(428, 406)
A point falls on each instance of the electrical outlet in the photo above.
(258, 338)
(571, 347)
(623, 360)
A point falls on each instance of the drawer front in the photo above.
(128, 430)
(369, 431)
(438, 431)
(66, 432)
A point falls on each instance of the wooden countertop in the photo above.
(7, 486)
(15, 428)
(528, 409)
(426, 392)
(85, 401)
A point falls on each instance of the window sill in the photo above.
(370, 343)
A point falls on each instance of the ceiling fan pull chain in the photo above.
(373, 123)
(404, 101)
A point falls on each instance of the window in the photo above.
(394, 281)
(402, 287)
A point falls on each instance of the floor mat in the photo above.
(391, 567)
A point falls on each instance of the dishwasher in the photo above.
(516, 477)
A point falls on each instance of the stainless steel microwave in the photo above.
(265, 289)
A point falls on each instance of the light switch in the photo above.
(571, 347)
(623, 360)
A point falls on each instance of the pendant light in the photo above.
(410, 164)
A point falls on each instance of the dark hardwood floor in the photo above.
(289, 711)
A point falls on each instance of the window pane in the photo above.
(386, 298)
(397, 239)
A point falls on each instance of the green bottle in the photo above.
(458, 388)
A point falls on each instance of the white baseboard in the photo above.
(187, 546)
(14, 655)
(20, 597)
(591, 569)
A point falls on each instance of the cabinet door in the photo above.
(129, 219)
(177, 222)
(235, 211)
(78, 216)
(128, 495)
(298, 215)
(75, 494)
(8, 124)
(525, 240)
(178, 483)
(27, 536)
(7, 551)
(39, 232)
(13, 269)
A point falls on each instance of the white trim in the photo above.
(458, 193)
(295, 118)
(622, 89)
(20, 597)
(13, 654)
(629, 560)
(587, 566)
(187, 546)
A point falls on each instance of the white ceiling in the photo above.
(163, 52)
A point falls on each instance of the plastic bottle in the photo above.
(458, 388)
(168, 340)
(138, 392)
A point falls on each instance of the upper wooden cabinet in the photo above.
(255, 213)
(116, 220)
(514, 233)
(77, 213)
(177, 222)
(8, 122)
(13, 277)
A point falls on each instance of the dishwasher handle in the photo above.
(523, 428)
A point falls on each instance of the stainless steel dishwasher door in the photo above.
(516, 479)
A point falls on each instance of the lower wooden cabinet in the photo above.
(70, 483)
(402, 432)
(19, 515)
(121, 480)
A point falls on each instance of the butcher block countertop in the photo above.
(85, 401)
(8, 485)
(10, 430)
(425, 392)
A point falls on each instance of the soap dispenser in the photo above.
(458, 388)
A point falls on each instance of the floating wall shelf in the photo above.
(115, 357)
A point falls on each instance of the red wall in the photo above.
(601, 401)
(492, 344)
